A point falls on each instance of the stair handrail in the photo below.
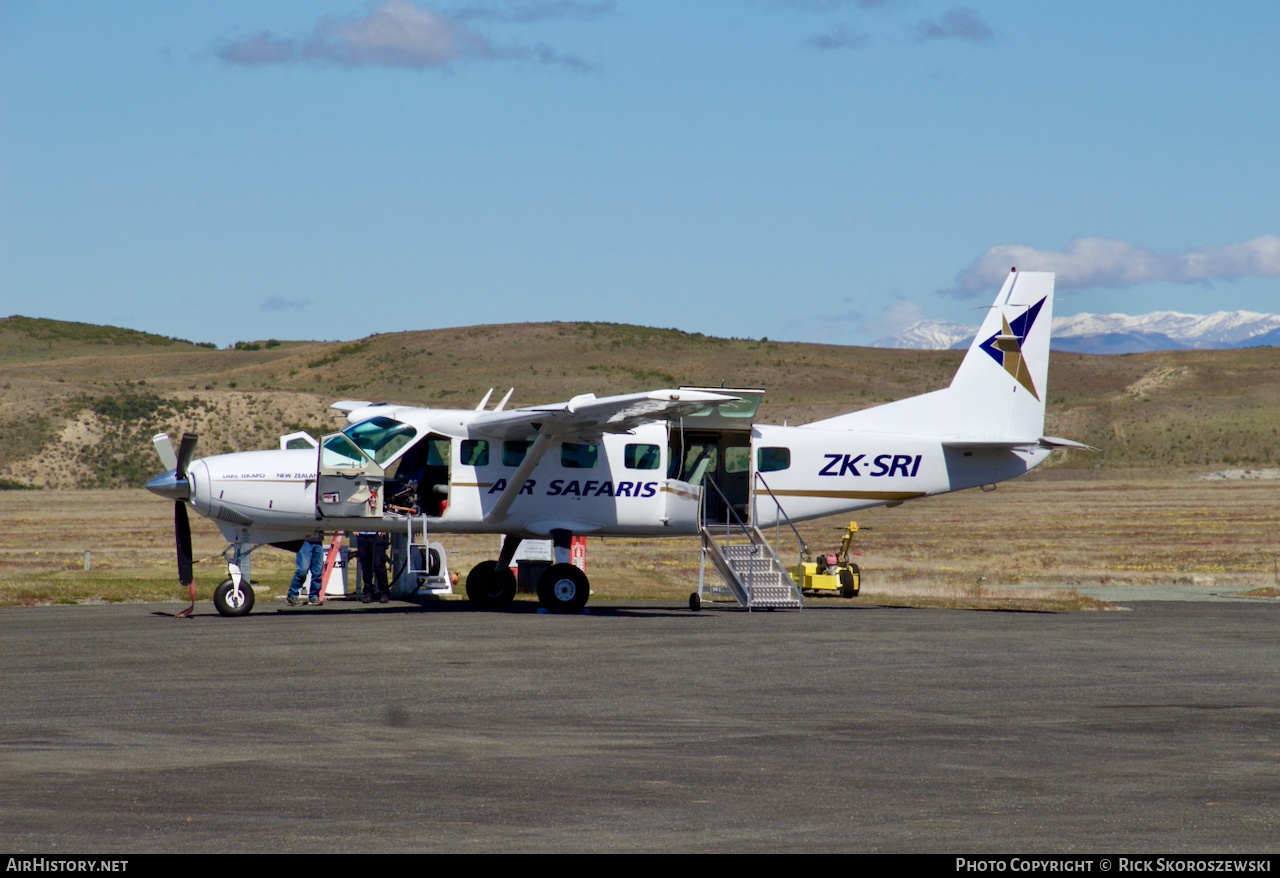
(777, 521)
(742, 526)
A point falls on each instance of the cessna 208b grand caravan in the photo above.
(657, 464)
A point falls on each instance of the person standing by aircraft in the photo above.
(310, 560)
(371, 548)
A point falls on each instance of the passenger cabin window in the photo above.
(514, 450)
(380, 438)
(642, 457)
(475, 452)
(771, 460)
(579, 455)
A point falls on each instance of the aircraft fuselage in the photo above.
(615, 484)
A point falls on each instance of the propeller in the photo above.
(174, 485)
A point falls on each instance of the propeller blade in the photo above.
(182, 536)
(164, 448)
(186, 451)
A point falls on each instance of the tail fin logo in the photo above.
(1005, 347)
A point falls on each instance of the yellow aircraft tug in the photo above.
(832, 573)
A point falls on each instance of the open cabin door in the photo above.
(349, 482)
(714, 446)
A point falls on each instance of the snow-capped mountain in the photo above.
(1116, 333)
(930, 335)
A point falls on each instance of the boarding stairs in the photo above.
(750, 568)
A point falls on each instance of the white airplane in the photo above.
(657, 464)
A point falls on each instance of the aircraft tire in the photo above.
(850, 581)
(224, 598)
(563, 588)
(695, 602)
(489, 588)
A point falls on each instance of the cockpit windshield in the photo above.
(381, 438)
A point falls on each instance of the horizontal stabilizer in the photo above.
(1042, 442)
(1055, 442)
(990, 443)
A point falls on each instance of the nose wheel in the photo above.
(233, 598)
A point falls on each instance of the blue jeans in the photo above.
(310, 559)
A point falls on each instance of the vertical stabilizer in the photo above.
(1015, 338)
(998, 394)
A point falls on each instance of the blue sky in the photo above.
(799, 169)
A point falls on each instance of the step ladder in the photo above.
(753, 574)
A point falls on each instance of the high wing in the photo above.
(587, 414)
(582, 415)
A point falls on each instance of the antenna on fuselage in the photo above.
(503, 404)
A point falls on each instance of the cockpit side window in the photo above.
(339, 452)
(381, 438)
(437, 452)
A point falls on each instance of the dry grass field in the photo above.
(1026, 545)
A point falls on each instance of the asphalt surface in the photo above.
(647, 728)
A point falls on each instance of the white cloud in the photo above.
(960, 23)
(524, 11)
(399, 34)
(262, 48)
(840, 38)
(828, 5)
(1102, 262)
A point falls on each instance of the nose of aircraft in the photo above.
(168, 485)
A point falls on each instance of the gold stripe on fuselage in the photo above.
(854, 495)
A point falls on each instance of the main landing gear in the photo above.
(562, 588)
(490, 587)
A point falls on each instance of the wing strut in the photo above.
(521, 475)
